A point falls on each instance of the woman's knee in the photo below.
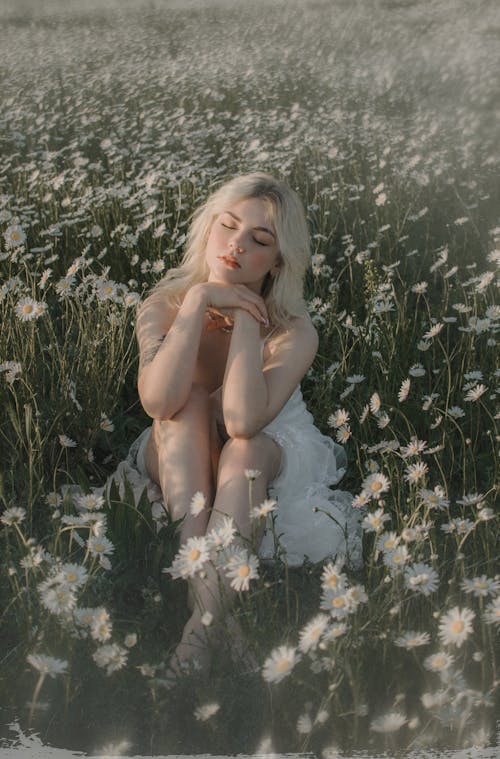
(258, 452)
(196, 407)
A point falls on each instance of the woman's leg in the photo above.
(212, 592)
(179, 457)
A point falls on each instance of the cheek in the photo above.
(262, 260)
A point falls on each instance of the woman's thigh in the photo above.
(201, 411)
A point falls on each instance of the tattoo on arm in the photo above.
(149, 351)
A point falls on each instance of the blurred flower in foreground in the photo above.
(388, 723)
(279, 664)
(47, 665)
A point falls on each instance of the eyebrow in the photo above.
(261, 229)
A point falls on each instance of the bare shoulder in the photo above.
(155, 309)
(300, 338)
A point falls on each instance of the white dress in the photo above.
(311, 464)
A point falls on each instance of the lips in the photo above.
(230, 261)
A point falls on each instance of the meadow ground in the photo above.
(117, 119)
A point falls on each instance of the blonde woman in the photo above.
(225, 340)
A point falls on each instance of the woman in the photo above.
(224, 341)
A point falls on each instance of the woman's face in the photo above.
(242, 246)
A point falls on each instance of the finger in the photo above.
(256, 300)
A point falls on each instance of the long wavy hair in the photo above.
(283, 291)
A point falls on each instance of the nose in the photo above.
(235, 247)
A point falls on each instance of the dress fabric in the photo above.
(311, 464)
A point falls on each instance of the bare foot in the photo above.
(192, 654)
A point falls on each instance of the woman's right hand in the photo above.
(224, 298)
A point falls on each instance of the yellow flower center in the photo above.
(27, 308)
(333, 581)
(338, 602)
(481, 584)
(457, 626)
(244, 571)
(283, 665)
(194, 554)
(98, 547)
(376, 485)
(71, 577)
(438, 661)
(15, 236)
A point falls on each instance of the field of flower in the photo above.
(116, 120)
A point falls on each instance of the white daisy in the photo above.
(14, 236)
(414, 448)
(492, 612)
(375, 521)
(433, 331)
(421, 578)
(266, 507)
(397, 558)
(47, 665)
(279, 664)
(413, 639)
(343, 434)
(14, 515)
(415, 472)
(241, 569)
(388, 723)
(111, 657)
(310, 635)
(375, 403)
(66, 441)
(206, 711)
(460, 526)
(28, 309)
(198, 503)
(376, 484)
(438, 662)
(58, 599)
(221, 537)
(475, 393)
(190, 558)
(456, 412)
(434, 499)
(336, 602)
(98, 545)
(404, 390)
(71, 575)
(387, 541)
(89, 502)
(456, 626)
(332, 577)
(338, 418)
(481, 586)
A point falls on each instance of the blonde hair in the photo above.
(282, 292)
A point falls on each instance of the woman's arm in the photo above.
(169, 340)
(252, 396)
